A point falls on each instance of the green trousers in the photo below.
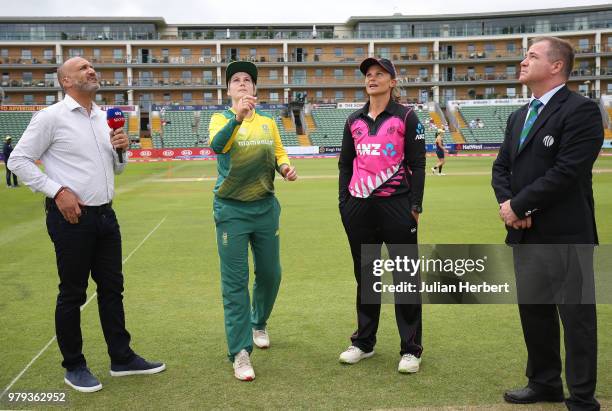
(239, 224)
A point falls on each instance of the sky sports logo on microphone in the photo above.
(115, 120)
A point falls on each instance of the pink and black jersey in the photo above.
(383, 157)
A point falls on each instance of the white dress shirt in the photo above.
(545, 98)
(75, 149)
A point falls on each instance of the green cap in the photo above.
(241, 66)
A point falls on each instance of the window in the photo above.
(359, 51)
(166, 96)
(511, 71)
(471, 49)
(359, 95)
(299, 76)
(339, 74)
(510, 48)
(206, 53)
(423, 73)
(384, 52)
(423, 51)
(208, 96)
(4, 52)
(96, 54)
(187, 97)
(48, 54)
(186, 52)
(318, 51)
(357, 74)
(253, 52)
(28, 99)
(339, 95)
(319, 93)
(273, 96)
(583, 89)
(166, 76)
(98, 98)
(117, 54)
(73, 52)
(489, 49)
(403, 71)
(609, 88)
(489, 72)
(338, 51)
(49, 99)
(490, 92)
(165, 55)
(511, 92)
(118, 76)
(119, 98)
(273, 74)
(583, 45)
(207, 75)
(27, 78)
(319, 72)
(50, 79)
(403, 51)
(26, 54)
(186, 77)
(273, 52)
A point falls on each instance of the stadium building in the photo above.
(454, 68)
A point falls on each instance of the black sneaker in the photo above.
(81, 379)
(137, 366)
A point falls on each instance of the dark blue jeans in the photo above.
(93, 245)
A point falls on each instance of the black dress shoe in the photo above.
(528, 395)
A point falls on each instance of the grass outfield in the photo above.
(174, 311)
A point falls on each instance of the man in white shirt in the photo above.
(79, 152)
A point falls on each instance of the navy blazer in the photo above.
(550, 176)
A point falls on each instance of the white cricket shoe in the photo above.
(409, 364)
(353, 355)
(261, 338)
(243, 370)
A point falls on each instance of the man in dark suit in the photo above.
(542, 179)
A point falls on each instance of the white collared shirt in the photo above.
(75, 149)
(545, 98)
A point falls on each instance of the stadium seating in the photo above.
(494, 118)
(14, 123)
(330, 126)
(178, 129)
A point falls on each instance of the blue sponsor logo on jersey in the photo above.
(389, 150)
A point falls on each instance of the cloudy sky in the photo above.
(264, 11)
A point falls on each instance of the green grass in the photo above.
(174, 311)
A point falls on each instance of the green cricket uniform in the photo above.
(246, 211)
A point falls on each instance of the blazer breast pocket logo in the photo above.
(548, 141)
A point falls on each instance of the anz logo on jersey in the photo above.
(373, 149)
(420, 132)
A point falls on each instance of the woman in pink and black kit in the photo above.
(382, 177)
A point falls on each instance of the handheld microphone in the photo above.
(115, 119)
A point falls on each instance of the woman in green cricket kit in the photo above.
(249, 151)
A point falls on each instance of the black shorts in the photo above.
(440, 153)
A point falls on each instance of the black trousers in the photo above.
(378, 221)
(9, 173)
(540, 322)
(93, 245)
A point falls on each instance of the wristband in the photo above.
(60, 191)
